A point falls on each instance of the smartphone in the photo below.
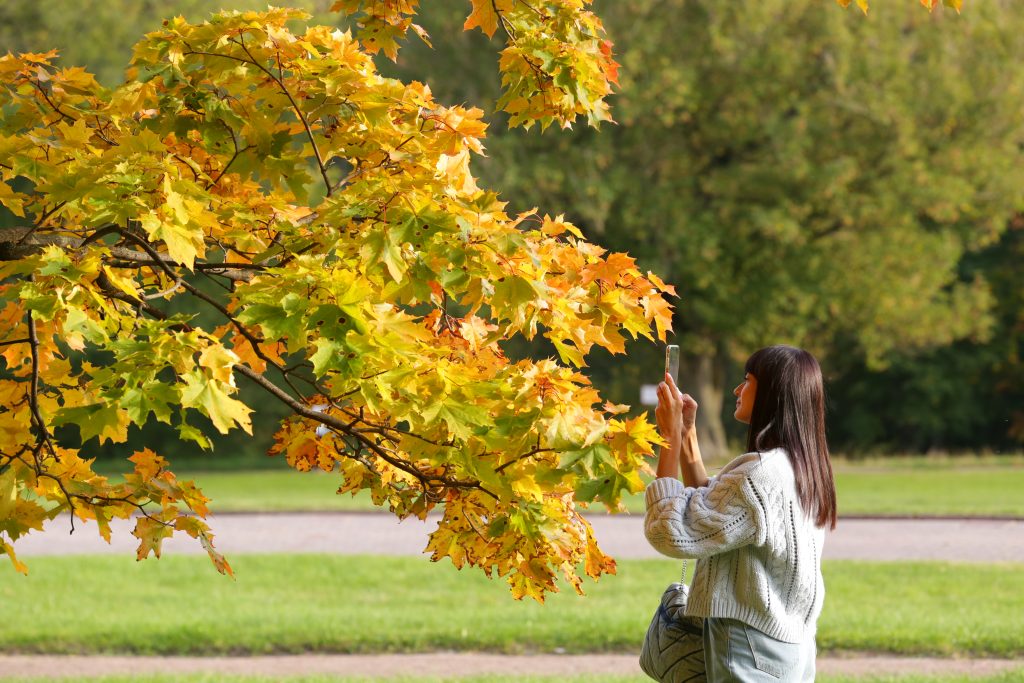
(672, 362)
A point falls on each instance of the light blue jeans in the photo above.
(737, 653)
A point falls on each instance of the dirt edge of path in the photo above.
(442, 664)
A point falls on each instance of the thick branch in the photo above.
(17, 243)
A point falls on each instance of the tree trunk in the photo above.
(703, 377)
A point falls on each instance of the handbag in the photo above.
(673, 650)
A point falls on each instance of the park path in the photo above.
(968, 540)
(441, 664)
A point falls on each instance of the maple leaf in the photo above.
(147, 463)
(151, 534)
(106, 421)
(18, 565)
(209, 397)
(485, 14)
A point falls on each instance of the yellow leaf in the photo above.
(125, 284)
(19, 566)
(79, 133)
(526, 487)
(208, 396)
(195, 499)
(8, 493)
(180, 240)
(15, 201)
(596, 562)
(151, 534)
(219, 361)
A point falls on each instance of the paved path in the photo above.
(620, 535)
(447, 664)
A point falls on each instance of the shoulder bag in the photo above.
(673, 650)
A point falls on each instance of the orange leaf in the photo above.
(147, 463)
(485, 16)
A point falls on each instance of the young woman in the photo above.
(756, 529)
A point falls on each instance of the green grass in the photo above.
(1009, 677)
(323, 603)
(277, 491)
(976, 492)
(894, 486)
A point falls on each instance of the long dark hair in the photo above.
(789, 412)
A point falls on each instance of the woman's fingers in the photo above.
(672, 388)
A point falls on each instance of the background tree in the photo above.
(968, 395)
(801, 175)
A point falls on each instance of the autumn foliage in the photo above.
(329, 218)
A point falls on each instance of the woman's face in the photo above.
(744, 394)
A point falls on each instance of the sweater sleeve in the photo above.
(698, 522)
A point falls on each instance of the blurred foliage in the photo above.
(99, 34)
(800, 173)
(964, 396)
(810, 177)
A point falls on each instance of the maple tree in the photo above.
(329, 216)
(374, 306)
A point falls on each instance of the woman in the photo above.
(756, 528)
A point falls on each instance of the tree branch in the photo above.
(15, 341)
(17, 243)
(530, 454)
(338, 426)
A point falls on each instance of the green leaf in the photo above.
(511, 293)
(462, 418)
(103, 420)
(152, 397)
(379, 246)
(329, 355)
(189, 433)
(209, 397)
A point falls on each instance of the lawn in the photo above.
(898, 486)
(323, 603)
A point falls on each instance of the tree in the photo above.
(802, 176)
(965, 396)
(374, 306)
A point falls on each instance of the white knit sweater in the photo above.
(758, 555)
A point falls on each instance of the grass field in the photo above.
(373, 604)
(1009, 677)
(898, 486)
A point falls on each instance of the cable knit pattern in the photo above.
(758, 555)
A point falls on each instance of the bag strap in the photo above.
(682, 579)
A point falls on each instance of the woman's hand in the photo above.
(676, 413)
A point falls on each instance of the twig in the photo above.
(535, 451)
